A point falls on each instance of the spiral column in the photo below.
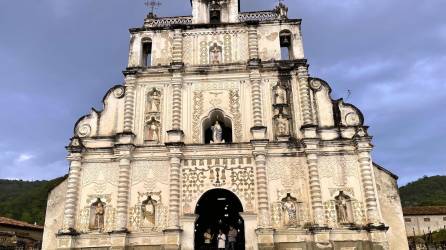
(262, 185)
(72, 195)
(364, 148)
(253, 43)
(314, 181)
(123, 193)
(174, 187)
(176, 101)
(256, 99)
(129, 105)
(304, 94)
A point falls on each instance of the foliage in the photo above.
(426, 191)
(25, 200)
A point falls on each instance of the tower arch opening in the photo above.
(217, 125)
(146, 59)
(219, 209)
(285, 38)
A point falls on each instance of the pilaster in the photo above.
(260, 154)
(364, 148)
(312, 147)
(72, 195)
(175, 155)
(304, 94)
(129, 103)
(177, 47)
(123, 152)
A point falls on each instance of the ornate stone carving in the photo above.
(98, 215)
(287, 170)
(152, 124)
(84, 130)
(199, 177)
(258, 16)
(167, 21)
(280, 95)
(339, 168)
(148, 214)
(119, 92)
(153, 130)
(343, 209)
(99, 175)
(150, 173)
(282, 127)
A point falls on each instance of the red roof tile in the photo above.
(428, 210)
(16, 223)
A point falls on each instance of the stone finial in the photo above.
(281, 10)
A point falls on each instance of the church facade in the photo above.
(219, 125)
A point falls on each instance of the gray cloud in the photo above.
(60, 56)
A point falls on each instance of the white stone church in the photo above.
(218, 125)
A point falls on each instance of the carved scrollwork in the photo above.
(119, 92)
(84, 130)
(315, 84)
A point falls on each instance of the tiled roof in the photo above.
(16, 223)
(428, 210)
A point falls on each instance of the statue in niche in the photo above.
(215, 54)
(280, 95)
(289, 207)
(97, 212)
(153, 130)
(282, 126)
(154, 101)
(342, 208)
(217, 133)
(149, 211)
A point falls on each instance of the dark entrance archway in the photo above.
(219, 209)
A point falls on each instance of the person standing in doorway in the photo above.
(232, 237)
(208, 239)
(221, 240)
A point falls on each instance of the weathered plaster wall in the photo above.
(54, 215)
(269, 42)
(418, 224)
(391, 210)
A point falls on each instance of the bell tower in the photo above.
(215, 11)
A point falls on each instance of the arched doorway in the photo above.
(219, 209)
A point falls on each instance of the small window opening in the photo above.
(147, 53)
(215, 16)
(427, 219)
(285, 45)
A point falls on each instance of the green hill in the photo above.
(427, 191)
(25, 200)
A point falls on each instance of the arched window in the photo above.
(146, 52)
(217, 128)
(285, 45)
(214, 13)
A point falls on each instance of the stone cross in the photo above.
(152, 5)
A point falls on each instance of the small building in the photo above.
(421, 220)
(16, 234)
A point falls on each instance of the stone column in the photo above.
(253, 43)
(129, 104)
(124, 156)
(72, 196)
(304, 94)
(177, 47)
(364, 148)
(175, 156)
(256, 98)
(262, 185)
(311, 151)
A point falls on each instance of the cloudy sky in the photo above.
(59, 57)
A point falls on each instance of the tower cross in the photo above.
(152, 5)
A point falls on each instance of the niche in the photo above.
(217, 128)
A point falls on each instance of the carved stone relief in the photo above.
(287, 170)
(236, 175)
(205, 101)
(99, 175)
(338, 168)
(281, 115)
(149, 213)
(150, 173)
(340, 212)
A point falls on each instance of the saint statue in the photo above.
(280, 95)
(148, 211)
(217, 133)
(290, 212)
(282, 126)
(155, 101)
(215, 54)
(153, 131)
(342, 208)
(98, 212)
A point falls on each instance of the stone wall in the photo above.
(54, 216)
